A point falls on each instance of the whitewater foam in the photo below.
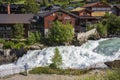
(72, 57)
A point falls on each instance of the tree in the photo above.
(102, 29)
(61, 33)
(18, 31)
(45, 2)
(31, 6)
(57, 59)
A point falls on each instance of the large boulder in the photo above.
(113, 64)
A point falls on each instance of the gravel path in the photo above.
(52, 76)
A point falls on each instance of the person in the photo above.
(26, 69)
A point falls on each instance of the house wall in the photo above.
(60, 16)
(6, 30)
(84, 13)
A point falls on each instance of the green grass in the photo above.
(47, 70)
(19, 2)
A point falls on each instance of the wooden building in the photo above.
(116, 9)
(98, 8)
(7, 21)
(85, 20)
(81, 11)
(44, 19)
(14, 8)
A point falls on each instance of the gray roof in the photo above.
(117, 5)
(15, 18)
(47, 13)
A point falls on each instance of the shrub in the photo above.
(19, 45)
(8, 45)
(37, 36)
(31, 38)
(2, 40)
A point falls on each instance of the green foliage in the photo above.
(113, 26)
(8, 45)
(19, 45)
(47, 70)
(113, 75)
(18, 31)
(61, 33)
(102, 29)
(37, 36)
(34, 37)
(2, 40)
(31, 38)
(31, 6)
(57, 59)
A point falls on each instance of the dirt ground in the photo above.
(53, 76)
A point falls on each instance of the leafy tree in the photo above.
(61, 33)
(45, 2)
(18, 31)
(31, 6)
(57, 59)
(102, 29)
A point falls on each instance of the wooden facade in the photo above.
(116, 10)
(81, 12)
(54, 15)
(98, 8)
(7, 22)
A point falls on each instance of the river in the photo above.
(90, 54)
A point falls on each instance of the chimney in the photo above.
(8, 8)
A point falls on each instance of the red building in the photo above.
(45, 19)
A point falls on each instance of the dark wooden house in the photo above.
(98, 8)
(116, 9)
(44, 19)
(7, 21)
(86, 18)
(14, 8)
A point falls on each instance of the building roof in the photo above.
(15, 18)
(117, 5)
(47, 13)
(78, 9)
(97, 4)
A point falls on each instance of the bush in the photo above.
(31, 38)
(61, 33)
(19, 45)
(34, 37)
(57, 59)
(8, 45)
(2, 40)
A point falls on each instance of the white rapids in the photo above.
(79, 57)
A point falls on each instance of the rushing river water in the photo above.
(92, 53)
